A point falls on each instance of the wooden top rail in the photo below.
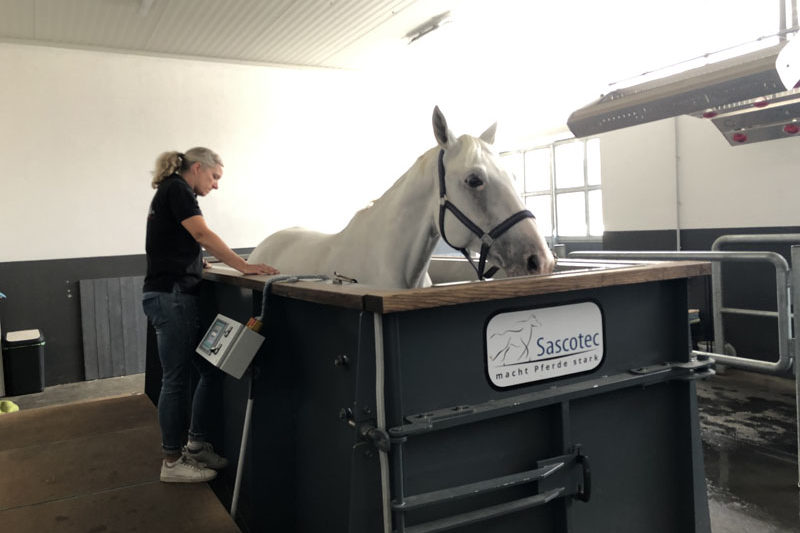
(584, 274)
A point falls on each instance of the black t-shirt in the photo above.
(173, 256)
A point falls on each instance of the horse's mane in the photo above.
(477, 145)
(389, 192)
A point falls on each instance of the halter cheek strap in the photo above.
(487, 238)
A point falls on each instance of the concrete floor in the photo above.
(84, 390)
(749, 440)
(749, 432)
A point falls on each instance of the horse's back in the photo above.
(293, 250)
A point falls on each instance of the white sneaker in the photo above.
(186, 470)
(207, 456)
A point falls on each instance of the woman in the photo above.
(176, 234)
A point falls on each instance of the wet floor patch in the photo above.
(760, 416)
(748, 427)
(751, 490)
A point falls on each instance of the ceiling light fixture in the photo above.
(428, 26)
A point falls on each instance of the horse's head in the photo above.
(479, 209)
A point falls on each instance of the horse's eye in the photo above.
(474, 181)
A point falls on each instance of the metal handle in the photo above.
(486, 513)
(555, 476)
(585, 491)
(475, 489)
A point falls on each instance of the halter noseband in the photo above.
(487, 238)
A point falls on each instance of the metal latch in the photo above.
(379, 437)
(699, 368)
(366, 431)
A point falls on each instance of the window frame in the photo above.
(554, 237)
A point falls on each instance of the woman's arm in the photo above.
(212, 242)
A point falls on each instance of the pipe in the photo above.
(286, 278)
(748, 238)
(677, 186)
(748, 257)
(243, 446)
(750, 312)
(782, 19)
(380, 407)
(795, 255)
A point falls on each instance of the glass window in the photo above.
(569, 165)
(596, 213)
(593, 162)
(541, 207)
(571, 209)
(537, 170)
(574, 207)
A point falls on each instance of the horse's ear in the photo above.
(440, 130)
(488, 135)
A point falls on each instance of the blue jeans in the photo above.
(175, 318)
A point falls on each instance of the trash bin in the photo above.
(23, 361)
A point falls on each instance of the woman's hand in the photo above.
(249, 270)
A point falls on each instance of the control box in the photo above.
(229, 345)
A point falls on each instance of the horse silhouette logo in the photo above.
(513, 345)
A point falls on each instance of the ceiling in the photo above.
(350, 34)
(525, 63)
(315, 33)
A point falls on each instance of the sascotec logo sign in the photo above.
(537, 344)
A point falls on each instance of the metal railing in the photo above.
(783, 313)
(782, 281)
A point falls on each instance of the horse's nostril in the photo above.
(533, 263)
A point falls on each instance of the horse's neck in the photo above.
(400, 225)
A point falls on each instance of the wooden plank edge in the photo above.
(382, 301)
(411, 299)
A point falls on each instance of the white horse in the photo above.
(456, 191)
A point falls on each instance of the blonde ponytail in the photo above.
(170, 163)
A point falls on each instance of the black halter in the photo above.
(487, 238)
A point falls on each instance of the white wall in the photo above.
(80, 131)
(723, 186)
(638, 170)
(719, 186)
